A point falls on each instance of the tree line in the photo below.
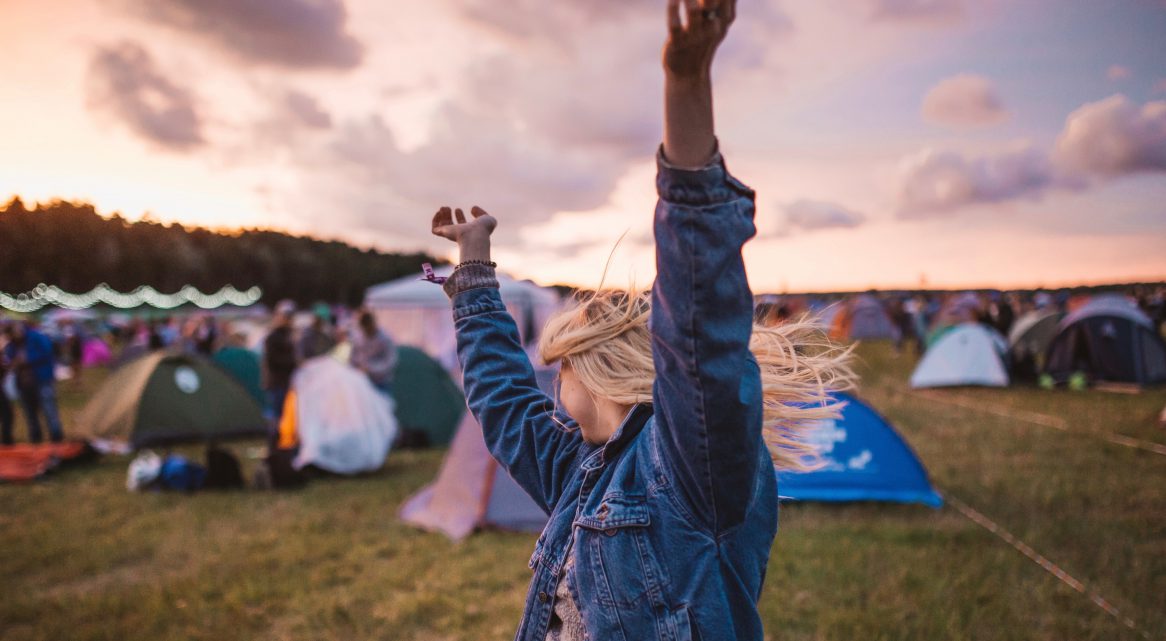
(68, 244)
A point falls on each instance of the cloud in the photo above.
(1100, 141)
(468, 161)
(286, 33)
(1117, 72)
(565, 102)
(964, 100)
(812, 215)
(916, 10)
(125, 82)
(934, 182)
(1114, 136)
(306, 110)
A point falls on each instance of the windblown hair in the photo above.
(604, 338)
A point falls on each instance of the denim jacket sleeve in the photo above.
(707, 394)
(523, 431)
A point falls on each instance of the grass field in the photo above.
(81, 558)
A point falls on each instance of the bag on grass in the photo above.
(179, 473)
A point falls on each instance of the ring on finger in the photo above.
(710, 14)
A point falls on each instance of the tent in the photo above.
(472, 491)
(342, 423)
(863, 458)
(1029, 339)
(1033, 331)
(169, 398)
(863, 318)
(243, 366)
(968, 354)
(417, 312)
(429, 403)
(1108, 340)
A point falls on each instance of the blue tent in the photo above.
(864, 459)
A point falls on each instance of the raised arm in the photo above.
(708, 390)
(524, 433)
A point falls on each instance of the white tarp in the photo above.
(969, 354)
(345, 425)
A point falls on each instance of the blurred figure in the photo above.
(31, 355)
(374, 353)
(902, 312)
(279, 358)
(154, 338)
(206, 336)
(317, 338)
(6, 417)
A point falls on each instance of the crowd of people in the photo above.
(34, 356)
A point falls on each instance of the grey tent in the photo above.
(1110, 342)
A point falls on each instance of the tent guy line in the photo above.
(1041, 560)
(1049, 421)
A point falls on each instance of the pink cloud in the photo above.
(125, 81)
(1114, 136)
(932, 182)
(1117, 72)
(287, 33)
(1100, 141)
(964, 100)
(812, 215)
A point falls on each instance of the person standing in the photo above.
(6, 417)
(374, 353)
(279, 361)
(31, 355)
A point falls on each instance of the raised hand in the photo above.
(689, 139)
(693, 38)
(472, 236)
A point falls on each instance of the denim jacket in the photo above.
(673, 518)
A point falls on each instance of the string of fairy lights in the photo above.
(43, 295)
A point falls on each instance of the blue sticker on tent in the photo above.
(864, 459)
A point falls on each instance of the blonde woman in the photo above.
(654, 465)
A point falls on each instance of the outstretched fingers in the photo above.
(478, 212)
(675, 25)
(442, 221)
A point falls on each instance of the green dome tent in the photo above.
(428, 401)
(170, 398)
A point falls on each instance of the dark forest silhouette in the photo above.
(69, 245)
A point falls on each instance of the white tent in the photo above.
(969, 354)
(344, 424)
(417, 312)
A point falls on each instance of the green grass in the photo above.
(84, 559)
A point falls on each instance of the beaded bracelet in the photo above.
(485, 263)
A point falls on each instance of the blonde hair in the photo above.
(604, 337)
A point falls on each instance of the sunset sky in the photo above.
(986, 143)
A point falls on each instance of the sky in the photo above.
(892, 143)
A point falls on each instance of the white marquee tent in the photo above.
(417, 312)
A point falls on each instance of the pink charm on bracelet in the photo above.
(430, 276)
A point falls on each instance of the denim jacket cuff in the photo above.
(707, 185)
(479, 300)
(472, 276)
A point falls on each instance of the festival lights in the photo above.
(43, 295)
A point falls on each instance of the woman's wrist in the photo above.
(474, 249)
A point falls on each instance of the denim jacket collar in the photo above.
(627, 431)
